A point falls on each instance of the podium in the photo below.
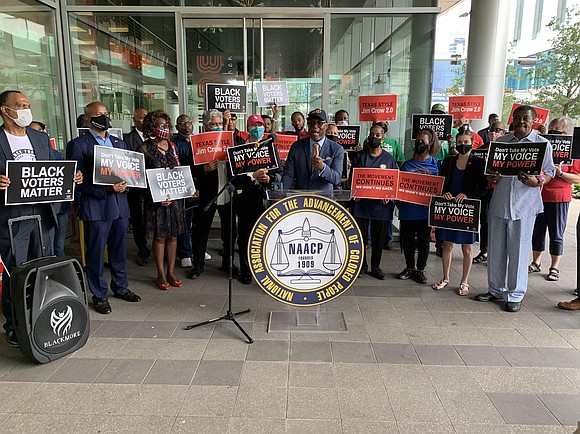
(337, 195)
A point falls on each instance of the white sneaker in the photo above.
(186, 262)
(207, 256)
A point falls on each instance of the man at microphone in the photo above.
(250, 197)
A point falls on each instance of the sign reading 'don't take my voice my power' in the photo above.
(112, 165)
(348, 136)
(561, 148)
(40, 181)
(170, 184)
(225, 97)
(508, 159)
(272, 92)
(249, 157)
(211, 146)
(449, 214)
(377, 108)
(466, 106)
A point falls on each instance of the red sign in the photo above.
(53, 143)
(418, 187)
(541, 116)
(377, 108)
(374, 183)
(283, 143)
(212, 146)
(467, 106)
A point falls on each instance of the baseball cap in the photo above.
(317, 114)
(438, 109)
(254, 119)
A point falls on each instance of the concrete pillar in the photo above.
(487, 54)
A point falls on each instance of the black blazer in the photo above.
(474, 180)
(133, 140)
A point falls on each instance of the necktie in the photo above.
(315, 153)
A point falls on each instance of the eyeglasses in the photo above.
(164, 126)
(185, 123)
(313, 123)
(498, 130)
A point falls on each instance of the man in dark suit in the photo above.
(20, 143)
(104, 211)
(314, 163)
(136, 196)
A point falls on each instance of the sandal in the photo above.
(163, 286)
(463, 289)
(553, 275)
(442, 284)
(174, 282)
(534, 268)
(482, 257)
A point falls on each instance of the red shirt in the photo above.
(558, 190)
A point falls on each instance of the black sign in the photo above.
(249, 157)
(170, 184)
(576, 144)
(480, 152)
(225, 97)
(348, 136)
(40, 181)
(441, 124)
(114, 165)
(449, 214)
(561, 148)
(511, 158)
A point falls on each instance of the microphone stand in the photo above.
(230, 315)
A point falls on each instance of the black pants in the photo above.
(378, 233)
(483, 224)
(246, 221)
(420, 229)
(136, 200)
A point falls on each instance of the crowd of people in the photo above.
(516, 210)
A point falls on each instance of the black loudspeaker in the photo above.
(49, 302)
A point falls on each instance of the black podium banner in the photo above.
(449, 214)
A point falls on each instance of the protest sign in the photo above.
(225, 97)
(576, 144)
(480, 152)
(466, 106)
(53, 143)
(508, 159)
(249, 157)
(561, 148)
(170, 184)
(283, 143)
(348, 136)
(373, 183)
(449, 214)
(212, 146)
(418, 187)
(441, 124)
(112, 165)
(40, 181)
(541, 116)
(377, 108)
(272, 92)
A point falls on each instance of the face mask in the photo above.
(331, 137)
(217, 129)
(24, 117)
(421, 147)
(494, 135)
(257, 133)
(342, 123)
(101, 123)
(161, 134)
(463, 149)
(374, 142)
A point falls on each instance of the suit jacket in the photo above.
(98, 202)
(133, 140)
(43, 151)
(298, 172)
(474, 180)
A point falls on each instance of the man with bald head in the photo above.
(104, 211)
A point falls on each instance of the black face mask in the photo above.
(463, 149)
(101, 123)
(555, 132)
(374, 142)
(331, 137)
(421, 147)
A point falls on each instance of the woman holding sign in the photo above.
(464, 178)
(166, 219)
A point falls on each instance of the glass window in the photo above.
(30, 61)
(262, 3)
(126, 62)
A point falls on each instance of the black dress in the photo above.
(163, 221)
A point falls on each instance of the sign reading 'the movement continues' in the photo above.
(449, 214)
(418, 188)
(305, 250)
(283, 143)
(170, 184)
(40, 181)
(370, 183)
(112, 165)
(225, 97)
(508, 159)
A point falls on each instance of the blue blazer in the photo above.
(43, 151)
(298, 173)
(97, 202)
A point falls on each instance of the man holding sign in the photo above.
(512, 212)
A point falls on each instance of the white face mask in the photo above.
(341, 123)
(24, 117)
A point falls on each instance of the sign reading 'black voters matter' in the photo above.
(561, 148)
(170, 184)
(40, 181)
(225, 97)
(441, 124)
(348, 136)
(249, 157)
(509, 159)
(113, 165)
(272, 92)
(449, 214)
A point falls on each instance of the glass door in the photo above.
(248, 50)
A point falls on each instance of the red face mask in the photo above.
(161, 134)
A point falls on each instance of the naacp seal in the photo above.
(305, 250)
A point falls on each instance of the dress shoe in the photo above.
(486, 296)
(570, 305)
(102, 306)
(245, 279)
(194, 274)
(407, 273)
(513, 306)
(128, 296)
(141, 262)
(420, 277)
(226, 269)
(377, 273)
(388, 247)
(11, 338)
